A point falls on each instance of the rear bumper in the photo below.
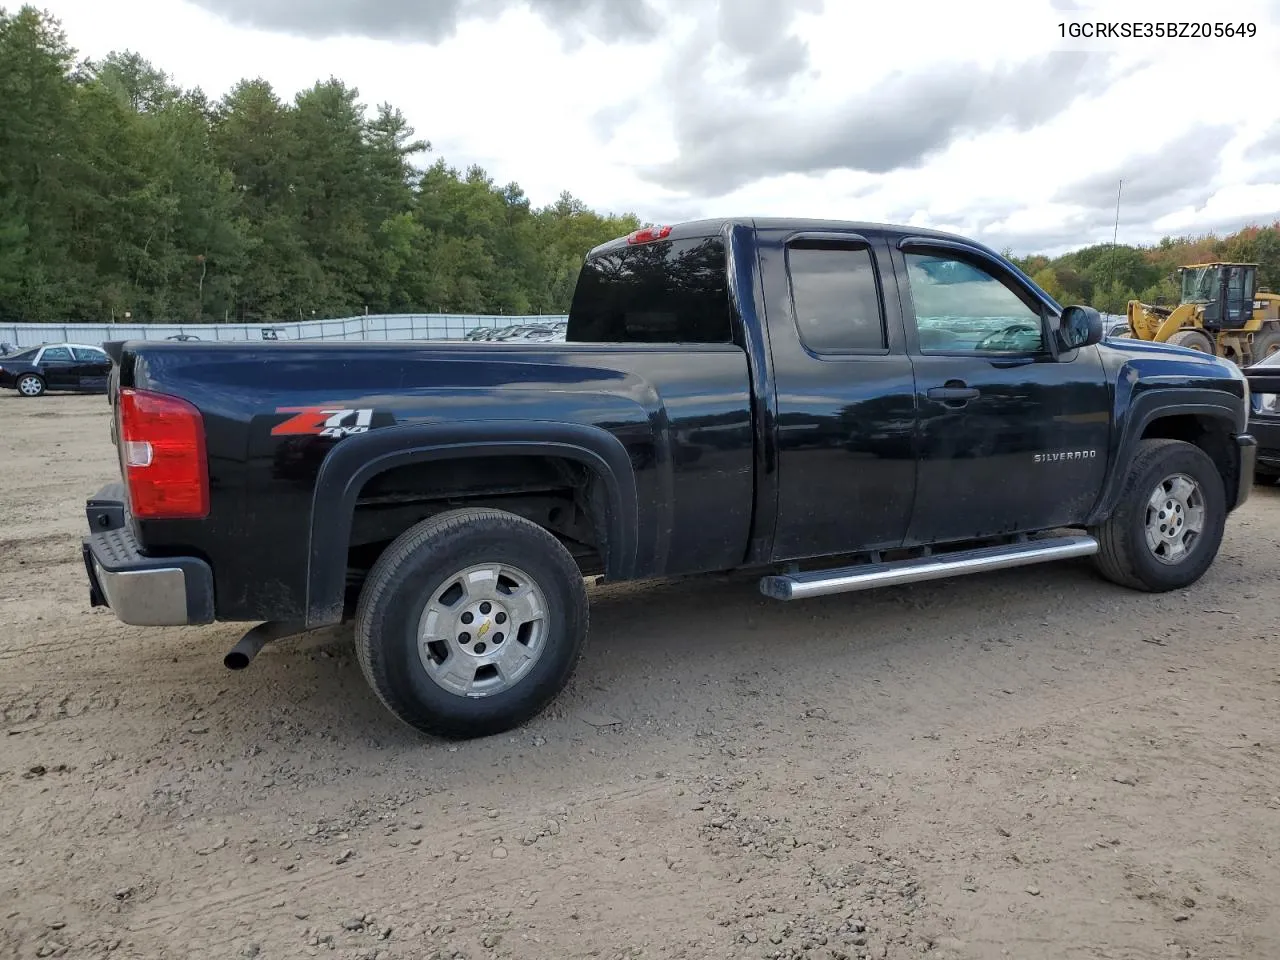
(140, 590)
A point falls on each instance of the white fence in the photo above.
(386, 326)
(394, 326)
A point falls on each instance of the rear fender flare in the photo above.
(1148, 407)
(356, 460)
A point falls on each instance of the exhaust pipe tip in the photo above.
(242, 654)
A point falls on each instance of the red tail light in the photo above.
(162, 450)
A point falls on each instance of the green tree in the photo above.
(1047, 280)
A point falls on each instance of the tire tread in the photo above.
(440, 530)
(1114, 559)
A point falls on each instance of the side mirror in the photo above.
(1079, 327)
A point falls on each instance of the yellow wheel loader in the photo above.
(1220, 312)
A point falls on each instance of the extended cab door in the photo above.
(1010, 439)
(844, 393)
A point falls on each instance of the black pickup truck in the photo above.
(839, 405)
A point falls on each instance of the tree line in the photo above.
(123, 194)
(1107, 277)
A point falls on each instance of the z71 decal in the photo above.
(323, 422)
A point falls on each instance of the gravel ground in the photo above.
(1033, 764)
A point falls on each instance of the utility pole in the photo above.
(1116, 234)
(1114, 237)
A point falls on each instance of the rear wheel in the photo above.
(30, 385)
(1167, 527)
(1192, 340)
(471, 623)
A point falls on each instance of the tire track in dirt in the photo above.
(911, 761)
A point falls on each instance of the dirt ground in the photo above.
(1032, 764)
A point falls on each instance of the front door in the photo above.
(1011, 439)
(844, 391)
(58, 368)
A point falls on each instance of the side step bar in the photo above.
(867, 576)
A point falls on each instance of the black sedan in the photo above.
(56, 366)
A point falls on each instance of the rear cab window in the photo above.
(835, 295)
(663, 291)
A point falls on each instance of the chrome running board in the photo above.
(868, 576)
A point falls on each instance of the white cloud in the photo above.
(958, 115)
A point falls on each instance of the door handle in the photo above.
(953, 393)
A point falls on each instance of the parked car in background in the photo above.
(1264, 416)
(56, 366)
(521, 333)
(530, 333)
(1117, 329)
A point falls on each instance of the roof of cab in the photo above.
(713, 226)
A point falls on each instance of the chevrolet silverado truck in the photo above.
(838, 406)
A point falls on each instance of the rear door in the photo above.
(844, 393)
(1010, 439)
(91, 368)
(57, 366)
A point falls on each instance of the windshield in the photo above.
(1199, 285)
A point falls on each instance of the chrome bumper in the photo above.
(140, 590)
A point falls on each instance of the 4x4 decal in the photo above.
(323, 422)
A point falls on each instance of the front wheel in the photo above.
(1166, 529)
(471, 622)
(30, 385)
(1265, 343)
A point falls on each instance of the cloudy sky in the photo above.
(977, 117)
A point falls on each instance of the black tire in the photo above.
(1124, 556)
(1265, 344)
(1264, 479)
(1192, 340)
(421, 562)
(36, 388)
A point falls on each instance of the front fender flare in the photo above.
(1152, 405)
(356, 460)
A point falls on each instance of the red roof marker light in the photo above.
(649, 234)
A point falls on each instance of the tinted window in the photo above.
(836, 301)
(671, 291)
(24, 355)
(56, 354)
(960, 307)
(86, 355)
